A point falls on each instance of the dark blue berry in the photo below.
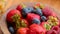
(26, 10)
(43, 18)
(36, 21)
(39, 11)
(11, 30)
(34, 11)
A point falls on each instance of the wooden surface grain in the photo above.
(53, 3)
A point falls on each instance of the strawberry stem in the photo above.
(23, 23)
(19, 23)
(16, 19)
(47, 26)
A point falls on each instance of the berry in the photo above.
(13, 13)
(31, 17)
(37, 29)
(36, 21)
(56, 28)
(38, 11)
(58, 32)
(26, 10)
(51, 32)
(11, 29)
(43, 18)
(47, 11)
(22, 31)
(19, 7)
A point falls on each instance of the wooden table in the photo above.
(53, 3)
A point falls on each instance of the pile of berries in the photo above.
(38, 19)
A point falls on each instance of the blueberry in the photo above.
(43, 18)
(11, 29)
(36, 21)
(39, 11)
(26, 10)
(34, 11)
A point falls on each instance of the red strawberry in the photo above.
(56, 28)
(51, 32)
(19, 7)
(59, 22)
(47, 11)
(36, 29)
(53, 14)
(58, 32)
(22, 31)
(42, 24)
(11, 14)
(31, 16)
(32, 32)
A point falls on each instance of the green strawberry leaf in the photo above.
(16, 20)
(55, 23)
(47, 26)
(23, 23)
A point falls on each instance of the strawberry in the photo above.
(31, 17)
(13, 13)
(53, 14)
(22, 31)
(19, 7)
(56, 28)
(59, 22)
(51, 32)
(34, 28)
(32, 32)
(58, 32)
(14, 17)
(47, 11)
